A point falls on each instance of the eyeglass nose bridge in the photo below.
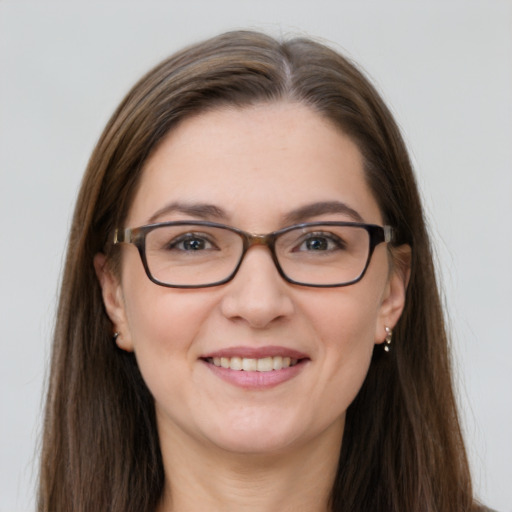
(251, 240)
(256, 239)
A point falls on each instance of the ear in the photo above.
(114, 302)
(393, 299)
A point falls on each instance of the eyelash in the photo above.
(331, 238)
(172, 245)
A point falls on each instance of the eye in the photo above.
(319, 242)
(191, 242)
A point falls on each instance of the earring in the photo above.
(115, 336)
(389, 336)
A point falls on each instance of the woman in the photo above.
(249, 317)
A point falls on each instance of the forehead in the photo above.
(256, 164)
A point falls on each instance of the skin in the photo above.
(225, 447)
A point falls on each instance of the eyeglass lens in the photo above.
(193, 255)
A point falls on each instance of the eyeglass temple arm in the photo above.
(388, 234)
(122, 235)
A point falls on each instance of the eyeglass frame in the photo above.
(137, 236)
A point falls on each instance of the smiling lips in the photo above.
(256, 367)
(264, 364)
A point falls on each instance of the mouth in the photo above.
(250, 364)
(256, 368)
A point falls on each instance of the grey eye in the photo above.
(318, 242)
(191, 243)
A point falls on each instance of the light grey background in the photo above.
(445, 68)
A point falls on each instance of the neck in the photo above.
(205, 478)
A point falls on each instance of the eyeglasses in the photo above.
(203, 254)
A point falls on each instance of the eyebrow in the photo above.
(207, 211)
(303, 213)
(200, 210)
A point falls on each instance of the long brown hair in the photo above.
(402, 446)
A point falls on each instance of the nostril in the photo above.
(257, 294)
(257, 305)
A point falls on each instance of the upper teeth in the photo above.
(265, 364)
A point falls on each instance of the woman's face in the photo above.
(254, 169)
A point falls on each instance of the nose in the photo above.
(257, 295)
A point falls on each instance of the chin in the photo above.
(262, 443)
(269, 434)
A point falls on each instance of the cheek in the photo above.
(165, 320)
(346, 320)
(345, 326)
(165, 325)
(159, 319)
